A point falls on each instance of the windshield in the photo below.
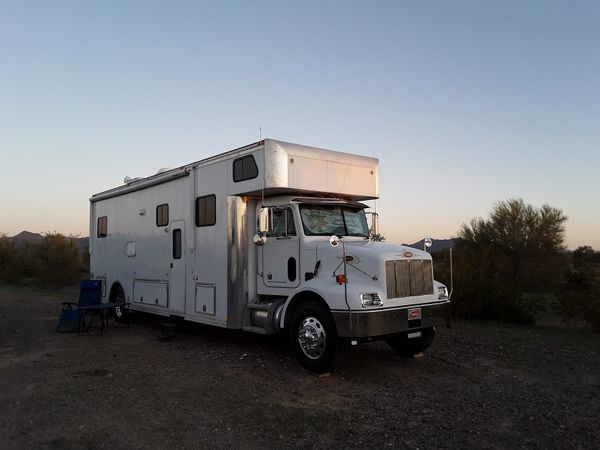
(328, 220)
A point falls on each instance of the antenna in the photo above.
(264, 153)
(373, 155)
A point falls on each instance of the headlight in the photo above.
(442, 292)
(371, 299)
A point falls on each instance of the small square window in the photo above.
(206, 211)
(102, 228)
(162, 215)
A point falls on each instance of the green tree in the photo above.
(506, 262)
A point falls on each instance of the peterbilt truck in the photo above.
(270, 238)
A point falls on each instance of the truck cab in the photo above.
(319, 252)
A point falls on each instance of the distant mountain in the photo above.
(27, 237)
(438, 245)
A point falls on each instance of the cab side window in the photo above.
(281, 222)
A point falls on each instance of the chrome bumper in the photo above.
(363, 324)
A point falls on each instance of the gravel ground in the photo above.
(479, 386)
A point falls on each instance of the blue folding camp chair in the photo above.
(72, 319)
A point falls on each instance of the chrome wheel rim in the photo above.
(312, 337)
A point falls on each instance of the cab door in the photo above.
(279, 258)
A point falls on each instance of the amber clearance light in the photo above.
(341, 278)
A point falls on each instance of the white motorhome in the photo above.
(270, 238)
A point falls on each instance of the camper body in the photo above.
(270, 238)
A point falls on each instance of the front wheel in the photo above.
(406, 346)
(313, 337)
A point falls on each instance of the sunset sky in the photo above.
(465, 103)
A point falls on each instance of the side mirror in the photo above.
(259, 239)
(263, 220)
(427, 243)
(334, 241)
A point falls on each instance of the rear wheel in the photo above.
(406, 346)
(120, 313)
(313, 337)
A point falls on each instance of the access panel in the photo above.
(151, 292)
(205, 298)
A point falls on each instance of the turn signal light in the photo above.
(341, 278)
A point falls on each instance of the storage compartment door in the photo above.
(151, 292)
(205, 298)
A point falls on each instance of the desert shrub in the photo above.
(56, 261)
(592, 313)
(585, 255)
(9, 261)
(579, 296)
(580, 303)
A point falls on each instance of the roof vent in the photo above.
(129, 180)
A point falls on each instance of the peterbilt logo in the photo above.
(414, 314)
(408, 254)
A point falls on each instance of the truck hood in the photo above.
(367, 249)
(366, 259)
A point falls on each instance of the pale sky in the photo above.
(465, 103)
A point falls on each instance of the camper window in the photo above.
(244, 169)
(177, 243)
(206, 211)
(162, 215)
(102, 228)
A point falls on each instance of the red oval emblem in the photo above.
(414, 313)
(408, 254)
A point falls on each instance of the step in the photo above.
(256, 330)
(259, 306)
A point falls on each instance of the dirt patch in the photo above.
(480, 385)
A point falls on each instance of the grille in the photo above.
(408, 278)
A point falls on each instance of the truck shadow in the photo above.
(271, 351)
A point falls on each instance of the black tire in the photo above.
(313, 337)
(120, 314)
(409, 347)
